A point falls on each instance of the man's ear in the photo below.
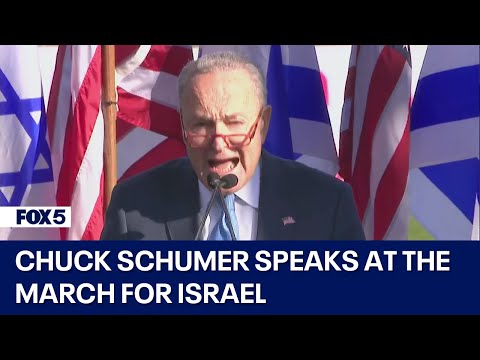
(183, 128)
(265, 122)
(181, 120)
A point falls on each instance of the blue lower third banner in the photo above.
(236, 278)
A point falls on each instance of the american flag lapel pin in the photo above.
(288, 220)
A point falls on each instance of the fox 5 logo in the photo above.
(38, 216)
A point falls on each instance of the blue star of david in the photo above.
(22, 108)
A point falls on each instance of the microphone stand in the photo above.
(228, 181)
(218, 185)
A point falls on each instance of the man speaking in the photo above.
(229, 187)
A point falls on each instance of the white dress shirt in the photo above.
(246, 208)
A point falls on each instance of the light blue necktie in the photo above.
(220, 230)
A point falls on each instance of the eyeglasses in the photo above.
(233, 141)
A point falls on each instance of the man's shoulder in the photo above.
(294, 172)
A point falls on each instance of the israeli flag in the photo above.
(444, 159)
(300, 127)
(26, 177)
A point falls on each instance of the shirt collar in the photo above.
(250, 192)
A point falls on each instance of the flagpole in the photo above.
(109, 107)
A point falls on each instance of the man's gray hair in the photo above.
(222, 61)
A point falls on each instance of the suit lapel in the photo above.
(271, 208)
(184, 204)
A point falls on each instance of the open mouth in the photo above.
(223, 166)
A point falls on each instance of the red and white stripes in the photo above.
(148, 123)
(374, 138)
(76, 134)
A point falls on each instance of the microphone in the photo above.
(228, 181)
(214, 182)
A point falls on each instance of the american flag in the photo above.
(148, 127)
(300, 126)
(374, 137)
(148, 123)
(444, 182)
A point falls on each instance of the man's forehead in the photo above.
(234, 115)
(227, 105)
(212, 96)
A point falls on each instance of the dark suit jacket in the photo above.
(163, 204)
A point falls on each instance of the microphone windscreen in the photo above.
(229, 181)
(212, 179)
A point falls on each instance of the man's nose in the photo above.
(218, 142)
